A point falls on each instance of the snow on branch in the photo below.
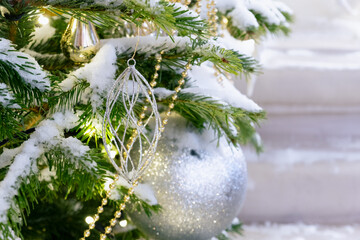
(47, 135)
(203, 82)
(206, 84)
(150, 45)
(101, 71)
(242, 17)
(6, 97)
(25, 65)
(7, 233)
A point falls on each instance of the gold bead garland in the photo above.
(100, 209)
(174, 97)
(117, 214)
(198, 6)
(212, 20)
(224, 23)
(212, 17)
(184, 2)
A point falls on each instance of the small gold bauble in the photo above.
(80, 41)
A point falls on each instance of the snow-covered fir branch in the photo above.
(36, 151)
(243, 17)
(100, 72)
(6, 97)
(25, 65)
(48, 134)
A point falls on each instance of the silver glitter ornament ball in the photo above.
(199, 182)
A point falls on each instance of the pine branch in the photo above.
(19, 25)
(53, 62)
(199, 51)
(139, 204)
(171, 18)
(99, 18)
(6, 232)
(226, 60)
(24, 93)
(235, 228)
(75, 176)
(89, 130)
(51, 45)
(11, 124)
(80, 175)
(256, 32)
(86, 130)
(58, 220)
(205, 112)
(48, 52)
(62, 101)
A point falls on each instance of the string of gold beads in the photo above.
(118, 214)
(212, 20)
(174, 97)
(218, 76)
(212, 17)
(198, 6)
(224, 23)
(187, 2)
(100, 209)
(184, 2)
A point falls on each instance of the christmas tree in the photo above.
(99, 132)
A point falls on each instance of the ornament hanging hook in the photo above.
(137, 45)
(131, 62)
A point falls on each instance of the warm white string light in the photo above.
(123, 223)
(42, 20)
(89, 219)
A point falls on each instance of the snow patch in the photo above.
(6, 97)
(162, 93)
(147, 44)
(47, 135)
(7, 156)
(46, 175)
(75, 146)
(142, 191)
(43, 33)
(25, 65)
(244, 47)
(205, 83)
(243, 18)
(100, 73)
(109, 2)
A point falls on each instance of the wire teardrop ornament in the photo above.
(128, 90)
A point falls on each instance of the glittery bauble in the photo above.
(199, 182)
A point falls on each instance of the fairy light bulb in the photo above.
(43, 20)
(89, 220)
(113, 153)
(123, 223)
